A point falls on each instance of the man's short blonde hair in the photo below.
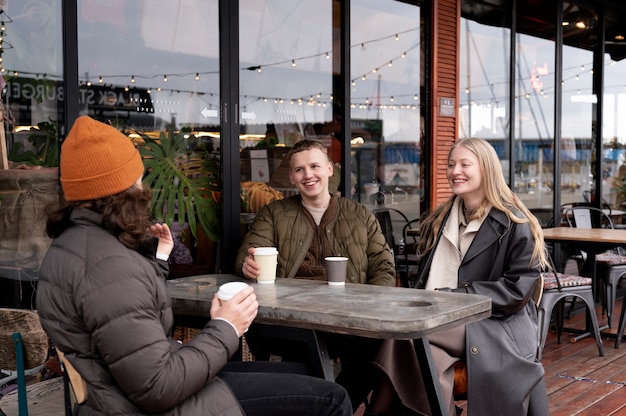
(306, 144)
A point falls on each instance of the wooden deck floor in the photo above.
(579, 381)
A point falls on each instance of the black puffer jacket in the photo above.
(107, 307)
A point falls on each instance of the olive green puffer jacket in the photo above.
(354, 232)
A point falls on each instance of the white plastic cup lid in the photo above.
(230, 289)
(265, 251)
(335, 258)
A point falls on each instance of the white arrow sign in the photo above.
(208, 113)
(248, 116)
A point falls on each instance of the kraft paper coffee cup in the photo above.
(267, 259)
(336, 268)
(230, 289)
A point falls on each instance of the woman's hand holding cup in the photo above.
(240, 310)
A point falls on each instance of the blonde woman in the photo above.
(482, 240)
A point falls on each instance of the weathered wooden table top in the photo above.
(356, 309)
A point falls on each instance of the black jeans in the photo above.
(277, 393)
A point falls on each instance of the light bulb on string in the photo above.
(293, 62)
(327, 55)
(164, 78)
(132, 79)
(100, 80)
(390, 64)
(197, 76)
(259, 69)
(397, 37)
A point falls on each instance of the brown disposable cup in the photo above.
(336, 268)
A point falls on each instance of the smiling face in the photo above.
(310, 170)
(465, 177)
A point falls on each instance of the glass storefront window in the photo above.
(32, 94)
(387, 113)
(533, 134)
(578, 98)
(286, 91)
(151, 69)
(614, 124)
(484, 79)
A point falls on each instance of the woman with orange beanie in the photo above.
(102, 299)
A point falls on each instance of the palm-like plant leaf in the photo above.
(185, 179)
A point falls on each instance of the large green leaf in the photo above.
(185, 178)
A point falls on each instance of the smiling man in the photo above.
(305, 229)
(308, 227)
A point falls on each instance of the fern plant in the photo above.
(185, 178)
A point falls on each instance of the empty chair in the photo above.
(403, 257)
(612, 264)
(556, 288)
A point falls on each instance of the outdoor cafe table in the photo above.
(354, 309)
(592, 241)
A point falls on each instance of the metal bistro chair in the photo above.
(612, 263)
(556, 288)
(402, 260)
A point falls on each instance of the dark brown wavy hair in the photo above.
(126, 215)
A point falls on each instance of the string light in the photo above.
(197, 76)
(293, 62)
(164, 78)
(132, 79)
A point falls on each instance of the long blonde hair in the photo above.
(497, 195)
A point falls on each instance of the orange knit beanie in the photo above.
(97, 161)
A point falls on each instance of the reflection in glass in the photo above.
(286, 87)
(578, 98)
(386, 110)
(151, 69)
(614, 127)
(484, 77)
(32, 121)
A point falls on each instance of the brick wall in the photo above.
(445, 84)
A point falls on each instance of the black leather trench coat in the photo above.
(504, 376)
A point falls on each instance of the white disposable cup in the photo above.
(267, 259)
(230, 289)
(336, 268)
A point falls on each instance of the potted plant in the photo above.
(184, 174)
